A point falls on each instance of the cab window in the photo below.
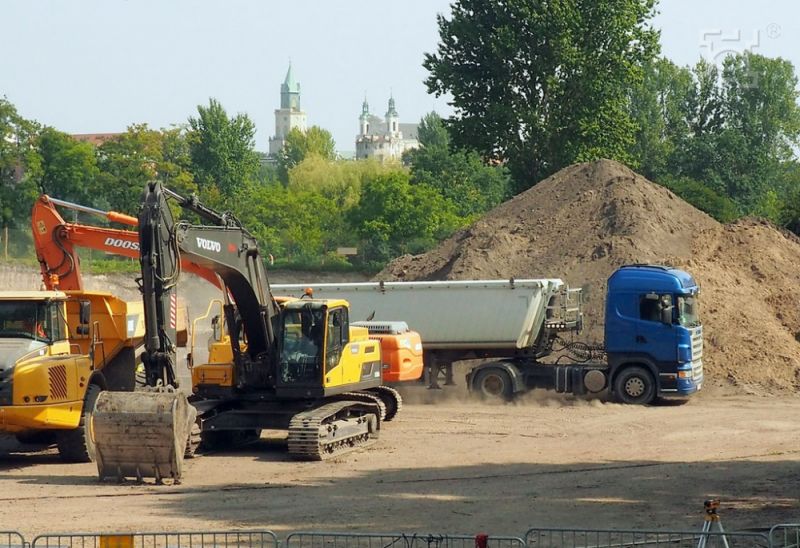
(651, 305)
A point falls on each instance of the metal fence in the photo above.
(545, 537)
(12, 539)
(785, 536)
(204, 539)
(399, 540)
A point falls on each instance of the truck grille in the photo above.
(697, 370)
(58, 382)
(697, 344)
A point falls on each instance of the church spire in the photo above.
(290, 91)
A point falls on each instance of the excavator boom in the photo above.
(56, 239)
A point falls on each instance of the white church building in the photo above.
(384, 139)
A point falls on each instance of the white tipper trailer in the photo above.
(476, 319)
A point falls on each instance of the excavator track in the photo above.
(333, 429)
(392, 400)
(366, 397)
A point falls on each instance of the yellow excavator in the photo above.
(301, 366)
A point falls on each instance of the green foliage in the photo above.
(396, 217)
(703, 198)
(460, 176)
(222, 149)
(138, 156)
(300, 145)
(68, 167)
(20, 165)
(338, 180)
(541, 85)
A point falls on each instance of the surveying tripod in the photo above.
(710, 523)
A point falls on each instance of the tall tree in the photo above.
(542, 84)
(68, 167)
(137, 156)
(222, 149)
(301, 144)
(20, 165)
(458, 175)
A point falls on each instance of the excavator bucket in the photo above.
(141, 434)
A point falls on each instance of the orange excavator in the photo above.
(56, 239)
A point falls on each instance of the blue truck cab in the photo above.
(653, 334)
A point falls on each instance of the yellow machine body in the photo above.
(43, 381)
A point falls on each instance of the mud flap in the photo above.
(141, 434)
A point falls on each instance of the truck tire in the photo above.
(77, 445)
(635, 386)
(493, 383)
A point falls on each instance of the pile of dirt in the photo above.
(585, 221)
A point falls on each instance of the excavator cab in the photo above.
(301, 345)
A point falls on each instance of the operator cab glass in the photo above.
(301, 346)
(37, 320)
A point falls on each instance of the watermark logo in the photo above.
(716, 45)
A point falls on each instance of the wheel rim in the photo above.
(635, 387)
(493, 385)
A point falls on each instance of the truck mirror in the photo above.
(666, 314)
(85, 312)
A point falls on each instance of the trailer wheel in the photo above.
(635, 386)
(78, 445)
(493, 383)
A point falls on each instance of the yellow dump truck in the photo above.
(58, 350)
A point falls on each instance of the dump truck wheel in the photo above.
(77, 445)
(635, 386)
(493, 383)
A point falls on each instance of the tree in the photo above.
(222, 149)
(299, 145)
(658, 108)
(541, 85)
(458, 175)
(20, 165)
(395, 217)
(138, 156)
(68, 167)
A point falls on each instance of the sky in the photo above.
(97, 66)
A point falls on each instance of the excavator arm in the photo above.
(228, 251)
(56, 241)
(145, 434)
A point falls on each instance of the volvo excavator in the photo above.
(300, 365)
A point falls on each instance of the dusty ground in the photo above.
(459, 466)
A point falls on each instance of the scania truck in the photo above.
(525, 331)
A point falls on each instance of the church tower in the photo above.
(392, 119)
(289, 116)
(364, 118)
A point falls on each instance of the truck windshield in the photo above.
(29, 319)
(688, 313)
(301, 344)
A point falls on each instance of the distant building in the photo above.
(95, 139)
(289, 116)
(384, 139)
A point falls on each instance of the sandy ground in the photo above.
(457, 466)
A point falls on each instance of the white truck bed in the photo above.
(451, 314)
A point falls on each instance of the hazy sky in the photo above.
(92, 66)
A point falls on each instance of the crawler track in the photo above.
(333, 429)
(391, 400)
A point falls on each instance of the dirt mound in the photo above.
(750, 292)
(588, 219)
